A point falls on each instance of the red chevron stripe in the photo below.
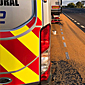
(30, 24)
(22, 53)
(35, 66)
(2, 69)
(16, 48)
(5, 34)
(39, 22)
(36, 31)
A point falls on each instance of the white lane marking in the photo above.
(63, 38)
(61, 32)
(61, 29)
(78, 23)
(75, 21)
(82, 26)
(70, 17)
(67, 55)
(64, 44)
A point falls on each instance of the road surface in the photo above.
(77, 15)
(68, 53)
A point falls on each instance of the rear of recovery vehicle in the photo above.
(25, 42)
(56, 9)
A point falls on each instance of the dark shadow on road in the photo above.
(64, 74)
(61, 24)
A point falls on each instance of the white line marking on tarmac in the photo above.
(64, 44)
(63, 38)
(67, 56)
(82, 26)
(61, 29)
(61, 32)
(75, 21)
(78, 23)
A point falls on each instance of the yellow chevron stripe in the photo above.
(10, 63)
(20, 31)
(39, 9)
(30, 40)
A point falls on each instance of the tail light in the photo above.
(57, 17)
(45, 52)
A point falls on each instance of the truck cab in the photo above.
(56, 10)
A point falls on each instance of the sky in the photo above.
(65, 2)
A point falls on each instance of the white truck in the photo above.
(56, 9)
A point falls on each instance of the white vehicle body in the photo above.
(56, 6)
(56, 9)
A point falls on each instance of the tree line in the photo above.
(72, 5)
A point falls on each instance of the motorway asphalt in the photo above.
(68, 53)
(77, 16)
